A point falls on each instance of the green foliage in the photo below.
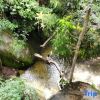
(55, 4)
(64, 7)
(95, 18)
(47, 21)
(91, 44)
(1, 5)
(17, 46)
(6, 24)
(28, 15)
(14, 52)
(30, 93)
(26, 8)
(68, 29)
(12, 89)
(63, 83)
(63, 42)
(15, 89)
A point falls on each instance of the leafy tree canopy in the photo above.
(64, 18)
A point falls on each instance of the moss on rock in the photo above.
(14, 52)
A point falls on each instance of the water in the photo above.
(43, 77)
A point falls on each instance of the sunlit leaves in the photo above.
(27, 14)
(15, 89)
(47, 20)
(62, 17)
(12, 89)
(5, 24)
(63, 40)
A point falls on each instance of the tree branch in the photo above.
(81, 36)
(46, 42)
(49, 61)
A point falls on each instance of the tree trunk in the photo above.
(81, 36)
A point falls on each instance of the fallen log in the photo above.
(49, 61)
(41, 57)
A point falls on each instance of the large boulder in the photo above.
(14, 52)
(77, 91)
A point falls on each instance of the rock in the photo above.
(77, 91)
(64, 96)
(14, 52)
(7, 72)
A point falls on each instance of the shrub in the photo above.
(15, 89)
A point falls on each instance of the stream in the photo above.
(45, 78)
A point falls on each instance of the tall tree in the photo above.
(81, 36)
